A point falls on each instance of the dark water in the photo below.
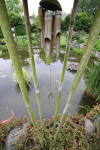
(48, 79)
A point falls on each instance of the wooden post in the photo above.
(53, 38)
(48, 35)
(41, 26)
(57, 31)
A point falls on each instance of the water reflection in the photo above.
(48, 78)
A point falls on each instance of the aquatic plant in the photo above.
(5, 26)
(26, 75)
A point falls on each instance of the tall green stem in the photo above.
(28, 30)
(95, 30)
(66, 59)
(5, 26)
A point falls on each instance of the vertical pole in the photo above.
(66, 59)
(58, 31)
(28, 31)
(41, 26)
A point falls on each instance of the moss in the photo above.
(50, 4)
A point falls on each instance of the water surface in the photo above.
(48, 78)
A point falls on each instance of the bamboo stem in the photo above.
(95, 30)
(28, 31)
(5, 26)
(66, 59)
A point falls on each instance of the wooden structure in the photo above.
(49, 26)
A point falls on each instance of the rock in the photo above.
(14, 137)
(97, 54)
(72, 66)
(89, 126)
(81, 45)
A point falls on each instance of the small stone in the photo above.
(14, 137)
(89, 126)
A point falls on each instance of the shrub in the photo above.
(63, 39)
(97, 45)
(65, 23)
(20, 30)
(1, 35)
(93, 83)
(3, 48)
(82, 40)
(82, 22)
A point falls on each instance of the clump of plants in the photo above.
(72, 135)
(63, 39)
(97, 45)
(93, 83)
(3, 48)
(78, 51)
(26, 75)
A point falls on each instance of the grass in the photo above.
(78, 51)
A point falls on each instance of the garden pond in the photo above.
(48, 78)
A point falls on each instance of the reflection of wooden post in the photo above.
(48, 35)
(57, 31)
(41, 26)
(53, 35)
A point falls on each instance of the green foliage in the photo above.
(63, 39)
(97, 45)
(1, 35)
(93, 83)
(26, 77)
(35, 25)
(15, 10)
(83, 22)
(90, 6)
(82, 40)
(22, 41)
(3, 48)
(20, 30)
(65, 23)
(78, 51)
